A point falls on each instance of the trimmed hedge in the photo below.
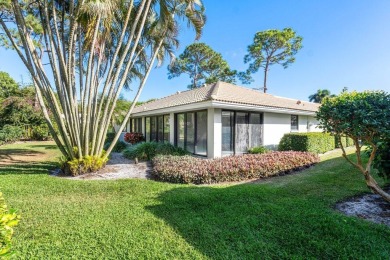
(346, 141)
(307, 142)
(188, 169)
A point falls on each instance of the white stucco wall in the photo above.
(214, 132)
(314, 124)
(275, 126)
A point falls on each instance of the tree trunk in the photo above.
(265, 77)
(373, 185)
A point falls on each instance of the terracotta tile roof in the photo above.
(229, 93)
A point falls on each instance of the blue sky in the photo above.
(346, 43)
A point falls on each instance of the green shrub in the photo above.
(10, 133)
(307, 142)
(119, 147)
(258, 150)
(188, 169)
(349, 142)
(40, 133)
(8, 220)
(346, 141)
(110, 137)
(382, 158)
(148, 150)
(84, 165)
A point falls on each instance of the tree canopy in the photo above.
(92, 49)
(364, 117)
(8, 85)
(320, 95)
(203, 65)
(272, 47)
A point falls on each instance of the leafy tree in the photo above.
(364, 117)
(272, 47)
(320, 95)
(21, 109)
(93, 49)
(8, 86)
(203, 65)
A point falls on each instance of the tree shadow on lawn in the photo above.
(30, 168)
(11, 155)
(46, 146)
(260, 221)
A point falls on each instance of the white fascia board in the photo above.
(235, 106)
(176, 109)
(222, 105)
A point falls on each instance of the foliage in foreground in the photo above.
(8, 220)
(361, 116)
(189, 169)
(148, 150)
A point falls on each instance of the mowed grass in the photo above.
(283, 217)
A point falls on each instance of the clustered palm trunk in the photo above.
(93, 49)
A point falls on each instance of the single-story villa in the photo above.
(222, 119)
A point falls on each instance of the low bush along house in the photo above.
(222, 119)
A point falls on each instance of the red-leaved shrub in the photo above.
(188, 169)
(134, 138)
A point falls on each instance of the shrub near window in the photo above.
(307, 142)
(134, 138)
(148, 150)
(258, 150)
(188, 169)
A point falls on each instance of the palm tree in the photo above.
(95, 49)
(320, 95)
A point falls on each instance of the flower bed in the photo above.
(188, 169)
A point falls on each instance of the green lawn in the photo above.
(282, 217)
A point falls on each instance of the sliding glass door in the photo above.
(227, 132)
(201, 133)
(241, 131)
(191, 132)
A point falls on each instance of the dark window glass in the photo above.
(242, 132)
(227, 132)
(180, 130)
(255, 129)
(190, 134)
(166, 128)
(201, 133)
(153, 128)
(147, 129)
(160, 128)
(294, 123)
